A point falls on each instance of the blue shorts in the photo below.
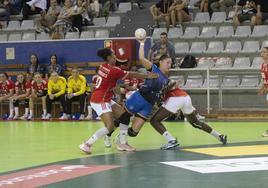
(136, 104)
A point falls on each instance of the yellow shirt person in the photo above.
(77, 86)
(56, 85)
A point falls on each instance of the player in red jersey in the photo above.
(39, 90)
(177, 99)
(264, 73)
(101, 98)
(22, 93)
(6, 91)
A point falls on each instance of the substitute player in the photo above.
(39, 91)
(22, 93)
(6, 91)
(177, 99)
(264, 74)
(101, 98)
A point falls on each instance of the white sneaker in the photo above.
(82, 117)
(89, 117)
(107, 141)
(64, 117)
(15, 117)
(85, 148)
(30, 117)
(48, 116)
(10, 117)
(98, 118)
(24, 117)
(43, 116)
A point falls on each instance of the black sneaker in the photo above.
(223, 139)
(171, 144)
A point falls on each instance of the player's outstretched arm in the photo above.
(145, 62)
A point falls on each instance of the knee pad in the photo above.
(196, 124)
(16, 103)
(124, 118)
(131, 132)
(26, 103)
(116, 123)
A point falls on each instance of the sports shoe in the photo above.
(24, 117)
(64, 117)
(125, 147)
(223, 139)
(89, 117)
(10, 117)
(47, 117)
(85, 148)
(15, 117)
(82, 117)
(107, 141)
(265, 134)
(171, 144)
(30, 117)
(43, 116)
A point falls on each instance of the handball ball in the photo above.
(140, 34)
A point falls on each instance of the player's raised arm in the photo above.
(145, 62)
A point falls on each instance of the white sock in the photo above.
(31, 112)
(168, 136)
(89, 110)
(123, 133)
(44, 111)
(26, 111)
(215, 134)
(98, 134)
(16, 111)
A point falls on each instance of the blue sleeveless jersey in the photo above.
(151, 88)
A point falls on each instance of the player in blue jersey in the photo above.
(141, 102)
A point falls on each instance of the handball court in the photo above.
(46, 154)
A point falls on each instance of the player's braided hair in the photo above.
(104, 53)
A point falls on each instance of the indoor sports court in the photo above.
(35, 154)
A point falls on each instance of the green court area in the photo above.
(29, 145)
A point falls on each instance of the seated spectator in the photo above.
(34, 65)
(262, 13)
(56, 92)
(33, 7)
(4, 11)
(66, 19)
(159, 12)
(39, 91)
(22, 93)
(248, 11)
(95, 8)
(164, 46)
(222, 5)
(7, 91)
(76, 91)
(47, 20)
(82, 9)
(205, 6)
(54, 66)
(179, 12)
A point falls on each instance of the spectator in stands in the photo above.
(22, 93)
(76, 91)
(262, 13)
(179, 12)
(7, 91)
(4, 11)
(56, 92)
(164, 46)
(47, 20)
(39, 90)
(95, 8)
(33, 7)
(83, 11)
(248, 10)
(222, 5)
(159, 12)
(34, 65)
(54, 66)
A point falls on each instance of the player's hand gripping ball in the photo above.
(140, 34)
